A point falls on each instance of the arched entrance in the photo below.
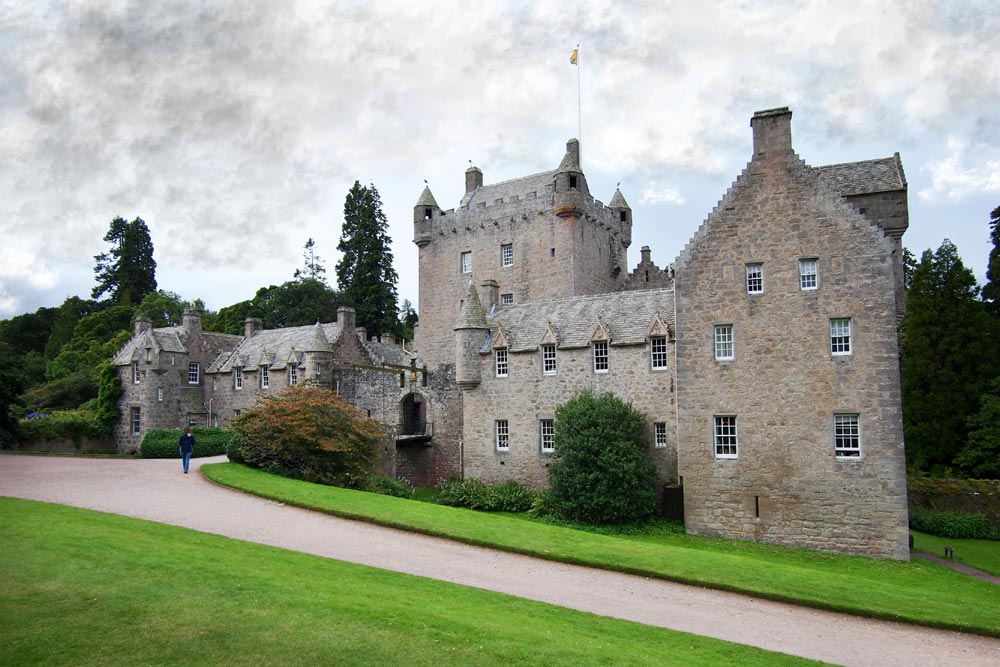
(413, 415)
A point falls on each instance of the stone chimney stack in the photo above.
(573, 149)
(251, 325)
(491, 290)
(362, 334)
(347, 317)
(142, 323)
(644, 252)
(772, 132)
(473, 179)
(191, 321)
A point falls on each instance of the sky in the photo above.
(236, 129)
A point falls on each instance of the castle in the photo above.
(765, 359)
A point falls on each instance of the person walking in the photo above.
(186, 447)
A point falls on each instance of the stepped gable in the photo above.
(627, 315)
(865, 177)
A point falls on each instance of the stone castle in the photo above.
(765, 359)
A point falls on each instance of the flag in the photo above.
(572, 57)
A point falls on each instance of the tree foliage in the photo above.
(313, 266)
(11, 385)
(364, 272)
(309, 433)
(991, 290)
(600, 472)
(949, 355)
(127, 272)
(981, 456)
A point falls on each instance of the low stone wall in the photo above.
(970, 496)
(66, 445)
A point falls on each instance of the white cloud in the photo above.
(959, 176)
(659, 193)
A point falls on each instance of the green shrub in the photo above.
(955, 525)
(509, 496)
(62, 424)
(600, 473)
(388, 486)
(162, 443)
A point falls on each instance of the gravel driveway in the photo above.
(159, 491)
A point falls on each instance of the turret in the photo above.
(473, 179)
(319, 358)
(623, 214)
(424, 212)
(570, 184)
(470, 334)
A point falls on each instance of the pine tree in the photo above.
(364, 273)
(128, 272)
(991, 290)
(313, 266)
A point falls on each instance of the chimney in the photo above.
(191, 321)
(346, 318)
(473, 179)
(491, 290)
(362, 334)
(388, 339)
(772, 131)
(251, 325)
(645, 255)
(142, 323)
(573, 149)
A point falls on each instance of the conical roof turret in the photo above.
(319, 341)
(427, 198)
(571, 161)
(472, 315)
(618, 201)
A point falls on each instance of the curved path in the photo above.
(158, 491)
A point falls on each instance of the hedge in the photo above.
(956, 525)
(161, 443)
(62, 425)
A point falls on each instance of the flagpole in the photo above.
(579, 114)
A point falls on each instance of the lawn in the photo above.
(919, 592)
(86, 588)
(980, 554)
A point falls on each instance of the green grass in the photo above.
(919, 592)
(86, 588)
(981, 554)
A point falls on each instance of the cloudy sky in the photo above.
(236, 129)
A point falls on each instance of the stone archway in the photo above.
(413, 415)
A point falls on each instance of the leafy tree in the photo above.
(909, 265)
(364, 272)
(69, 314)
(165, 309)
(314, 268)
(11, 385)
(948, 356)
(28, 332)
(230, 318)
(981, 456)
(991, 290)
(599, 471)
(309, 433)
(295, 303)
(128, 272)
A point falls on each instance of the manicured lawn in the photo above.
(86, 588)
(918, 592)
(980, 554)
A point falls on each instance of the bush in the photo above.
(62, 424)
(161, 443)
(474, 494)
(955, 525)
(388, 486)
(599, 472)
(310, 434)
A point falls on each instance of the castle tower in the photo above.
(470, 334)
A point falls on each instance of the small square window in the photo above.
(600, 356)
(755, 278)
(724, 343)
(725, 437)
(467, 262)
(658, 352)
(660, 434)
(808, 279)
(847, 435)
(507, 254)
(549, 359)
(503, 435)
(194, 372)
(840, 336)
(572, 182)
(500, 355)
(547, 435)
(506, 299)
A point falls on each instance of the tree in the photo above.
(11, 385)
(948, 356)
(128, 272)
(314, 267)
(295, 303)
(981, 456)
(364, 273)
(599, 471)
(408, 319)
(165, 309)
(309, 433)
(909, 265)
(991, 290)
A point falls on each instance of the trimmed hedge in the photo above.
(62, 425)
(161, 443)
(506, 497)
(955, 525)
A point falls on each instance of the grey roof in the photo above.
(426, 198)
(618, 200)
(387, 354)
(274, 347)
(171, 339)
(472, 315)
(516, 187)
(865, 177)
(627, 315)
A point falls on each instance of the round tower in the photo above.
(470, 335)
(570, 184)
(424, 212)
(623, 214)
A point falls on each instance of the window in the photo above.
(847, 436)
(658, 351)
(549, 359)
(501, 361)
(725, 437)
(194, 372)
(159, 393)
(840, 335)
(660, 434)
(503, 435)
(428, 213)
(572, 182)
(600, 356)
(547, 435)
(807, 274)
(506, 299)
(265, 378)
(236, 413)
(724, 345)
(293, 376)
(135, 372)
(755, 278)
(467, 262)
(136, 421)
(507, 254)
(237, 378)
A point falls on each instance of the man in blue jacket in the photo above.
(186, 447)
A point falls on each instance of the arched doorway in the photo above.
(413, 415)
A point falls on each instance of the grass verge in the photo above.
(981, 554)
(86, 588)
(919, 592)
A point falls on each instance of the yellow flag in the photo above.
(572, 57)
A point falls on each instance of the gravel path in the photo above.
(159, 491)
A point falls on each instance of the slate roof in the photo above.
(865, 177)
(472, 315)
(487, 194)
(387, 354)
(274, 347)
(171, 339)
(627, 315)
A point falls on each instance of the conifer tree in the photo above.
(128, 272)
(364, 273)
(991, 290)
